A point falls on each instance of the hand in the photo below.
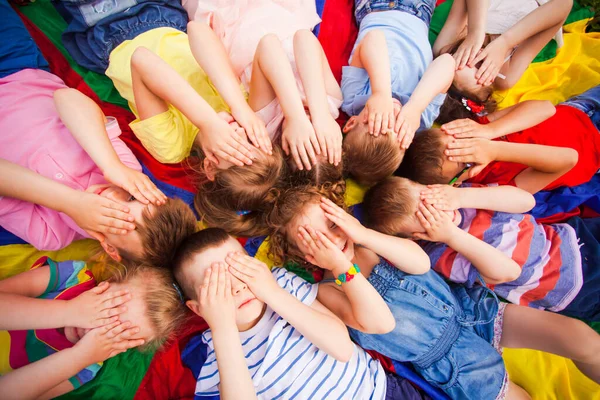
(443, 197)
(97, 307)
(135, 183)
(346, 222)
(467, 128)
(478, 151)
(468, 49)
(493, 58)
(105, 342)
(438, 225)
(221, 141)
(299, 139)
(379, 114)
(255, 128)
(322, 252)
(253, 273)
(407, 123)
(329, 135)
(215, 301)
(95, 213)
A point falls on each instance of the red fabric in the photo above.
(173, 174)
(167, 377)
(569, 127)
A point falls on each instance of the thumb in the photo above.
(96, 235)
(421, 236)
(101, 288)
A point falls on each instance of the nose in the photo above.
(237, 286)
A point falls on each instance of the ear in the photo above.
(96, 235)
(350, 124)
(209, 170)
(111, 250)
(194, 306)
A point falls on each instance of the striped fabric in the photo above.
(285, 365)
(548, 255)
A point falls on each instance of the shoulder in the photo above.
(303, 290)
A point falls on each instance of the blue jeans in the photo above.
(96, 27)
(422, 9)
(589, 103)
(17, 49)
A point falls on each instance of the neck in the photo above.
(249, 325)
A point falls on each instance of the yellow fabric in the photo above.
(17, 258)
(168, 136)
(5, 352)
(575, 69)
(548, 377)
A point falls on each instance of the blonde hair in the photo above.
(238, 196)
(369, 159)
(287, 207)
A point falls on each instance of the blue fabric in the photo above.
(96, 27)
(400, 388)
(422, 9)
(17, 49)
(172, 191)
(320, 7)
(589, 103)
(565, 199)
(405, 370)
(8, 238)
(193, 356)
(587, 303)
(445, 330)
(252, 244)
(410, 54)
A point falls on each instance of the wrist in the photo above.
(69, 200)
(341, 269)
(455, 237)
(223, 325)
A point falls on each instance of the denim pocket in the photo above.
(443, 374)
(427, 295)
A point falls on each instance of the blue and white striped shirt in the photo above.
(285, 365)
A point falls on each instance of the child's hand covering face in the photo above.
(321, 250)
(98, 307)
(469, 48)
(438, 225)
(478, 151)
(407, 122)
(107, 341)
(467, 128)
(254, 273)
(299, 139)
(442, 197)
(215, 300)
(379, 113)
(346, 222)
(220, 141)
(329, 135)
(98, 214)
(135, 183)
(493, 57)
(254, 129)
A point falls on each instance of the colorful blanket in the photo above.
(162, 375)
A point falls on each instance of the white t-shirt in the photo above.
(284, 364)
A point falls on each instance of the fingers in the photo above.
(408, 134)
(101, 288)
(308, 240)
(150, 192)
(296, 156)
(482, 54)
(115, 299)
(203, 295)
(213, 280)
(319, 143)
(331, 208)
(222, 277)
(115, 331)
(105, 321)
(337, 149)
(325, 240)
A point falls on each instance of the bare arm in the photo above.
(405, 254)
(454, 25)
(507, 199)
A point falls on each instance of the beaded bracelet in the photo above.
(348, 276)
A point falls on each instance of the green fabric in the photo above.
(45, 17)
(441, 12)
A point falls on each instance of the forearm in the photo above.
(373, 55)
(522, 116)
(236, 382)
(477, 12)
(86, 122)
(454, 25)
(308, 53)
(48, 372)
(436, 79)
(538, 20)
(493, 265)
(213, 59)
(24, 313)
(508, 199)
(405, 254)
(547, 159)
(324, 331)
(24, 184)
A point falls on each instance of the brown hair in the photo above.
(238, 196)
(192, 245)
(388, 205)
(369, 159)
(287, 207)
(164, 307)
(162, 232)
(424, 158)
(320, 174)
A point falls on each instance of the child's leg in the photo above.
(17, 49)
(529, 328)
(589, 103)
(516, 392)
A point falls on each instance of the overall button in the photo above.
(392, 4)
(424, 293)
(59, 175)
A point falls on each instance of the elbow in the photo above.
(345, 352)
(386, 325)
(509, 274)
(374, 35)
(548, 109)
(571, 157)
(423, 266)
(528, 201)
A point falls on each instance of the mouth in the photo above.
(344, 246)
(245, 303)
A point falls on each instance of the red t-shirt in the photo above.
(569, 127)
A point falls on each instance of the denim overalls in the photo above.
(446, 332)
(422, 9)
(96, 27)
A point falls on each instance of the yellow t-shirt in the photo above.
(168, 136)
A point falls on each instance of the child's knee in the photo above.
(303, 35)
(140, 57)
(197, 27)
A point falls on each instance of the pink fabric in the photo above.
(34, 137)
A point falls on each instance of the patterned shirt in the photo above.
(549, 257)
(284, 364)
(68, 279)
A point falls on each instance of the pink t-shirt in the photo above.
(34, 137)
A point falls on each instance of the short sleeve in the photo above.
(356, 89)
(123, 152)
(66, 275)
(299, 288)
(432, 111)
